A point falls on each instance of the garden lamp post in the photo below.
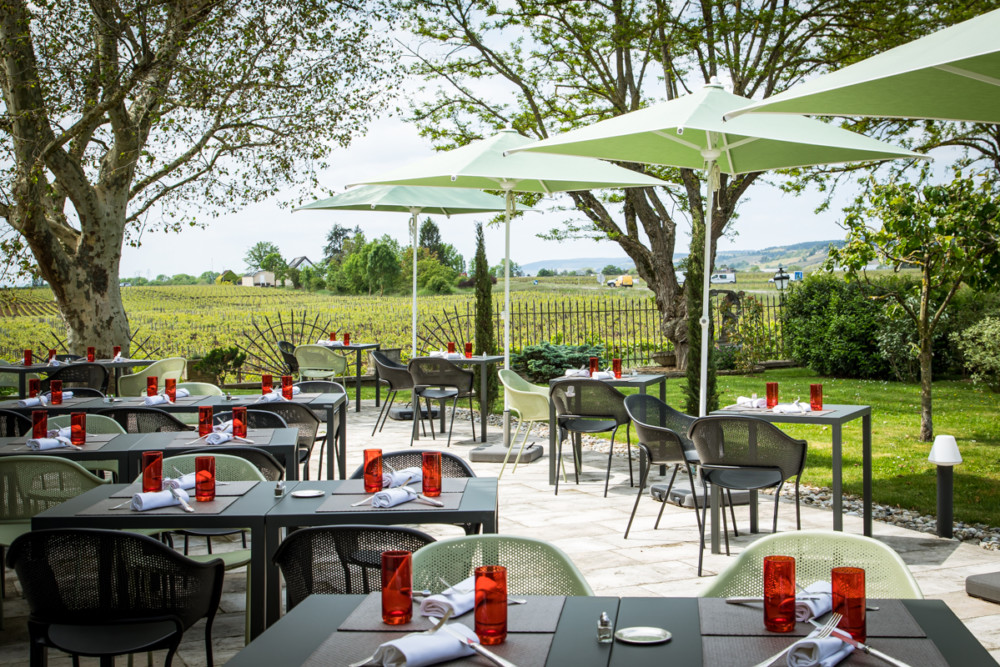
(945, 455)
(781, 279)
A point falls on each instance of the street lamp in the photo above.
(781, 279)
(945, 455)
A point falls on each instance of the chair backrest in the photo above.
(79, 575)
(85, 392)
(394, 374)
(135, 383)
(320, 387)
(816, 552)
(201, 388)
(586, 397)
(533, 567)
(747, 442)
(340, 559)
(315, 360)
(296, 416)
(95, 423)
(451, 465)
(255, 419)
(228, 468)
(13, 424)
(439, 372)
(529, 401)
(84, 374)
(661, 429)
(145, 420)
(33, 483)
(261, 459)
(69, 357)
(287, 351)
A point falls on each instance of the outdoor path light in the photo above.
(944, 454)
(781, 279)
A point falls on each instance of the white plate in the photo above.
(307, 493)
(643, 635)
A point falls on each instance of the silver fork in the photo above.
(823, 633)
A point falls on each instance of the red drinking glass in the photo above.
(491, 604)
(115, 351)
(468, 350)
(772, 394)
(170, 388)
(431, 473)
(848, 585)
(333, 336)
(779, 593)
(39, 424)
(78, 428)
(240, 422)
(451, 347)
(266, 383)
(52, 355)
(27, 357)
(286, 386)
(594, 365)
(347, 339)
(204, 478)
(55, 391)
(91, 354)
(34, 386)
(373, 470)
(616, 366)
(152, 385)
(397, 587)
(204, 420)
(816, 396)
(152, 472)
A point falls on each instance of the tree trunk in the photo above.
(925, 331)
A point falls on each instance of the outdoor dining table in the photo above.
(98, 447)
(23, 371)
(470, 500)
(357, 348)
(339, 629)
(485, 363)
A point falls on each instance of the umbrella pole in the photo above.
(413, 306)
(509, 195)
(710, 156)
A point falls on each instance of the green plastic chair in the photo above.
(135, 383)
(95, 424)
(529, 402)
(816, 552)
(319, 362)
(201, 388)
(533, 567)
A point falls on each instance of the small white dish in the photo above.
(643, 635)
(307, 493)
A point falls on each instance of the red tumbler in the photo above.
(397, 587)
(491, 604)
(451, 347)
(27, 357)
(115, 351)
(286, 386)
(152, 472)
(170, 389)
(91, 354)
(204, 420)
(152, 385)
(779, 593)
(204, 478)
(816, 396)
(347, 339)
(431, 473)
(52, 355)
(848, 585)
(594, 365)
(78, 428)
(39, 424)
(772, 394)
(34, 386)
(468, 350)
(616, 366)
(373, 470)
(266, 383)
(240, 422)
(55, 391)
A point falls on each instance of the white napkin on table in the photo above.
(64, 432)
(182, 392)
(329, 343)
(155, 499)
(402, 477)
(603, 375)
(747, 402)
(224, 427)
(419, 649)
(118, 357)
(155, 400)
(272, 397)
(183, 482)
(41, 444)
(460, 598)
(66, 394)
(792, 408)
(814, 601)
(32, 402)
(811, 652)
(394, 496)
(577, 373)
(218, 438)
(54, 362)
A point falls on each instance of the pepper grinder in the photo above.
(605, 631)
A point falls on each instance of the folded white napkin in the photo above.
(41, 444)
(394, 496)
(811, 652)
(155, 400)
(460, 599)
(603, 375)
(64, 432)
(154, 499)
(118, 357)
(32, 402)
(273, 397)
(183, 482)
(792, 408)
(419, 649)
(441, 354)
(182, 392)
(54, 362)
(329, 343)
(747, 402)
(48, 395)
(402, 477)
(577, 373)
(815, 600)
(224, 427)
(218, 438)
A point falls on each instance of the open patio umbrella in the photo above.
(952, 74)
(482, 165)
(689, 132)
(412, 200)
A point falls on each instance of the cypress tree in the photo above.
(485, 332)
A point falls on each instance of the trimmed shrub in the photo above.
(980, 345)
(542, 362)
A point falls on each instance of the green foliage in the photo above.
(612, 270)
(222, 361)
(334, 248)
(227, 278)
(542, 362)
(485, 332)
(753, 340)
(545, 273)
(382, 266)
(980, 345)
(258, 254)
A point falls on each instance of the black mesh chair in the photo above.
(320, 387)
(255, 419)
(108, 592)
(69, 358)
(13, 424)
(340, 559)
(288, 354)
(75, 375)
(747, 454)
(86, 392)
(437, 379)
(263, 460)
(299, 417)
(662, 434)
(145, 420)
(398, 378)
(584, 405)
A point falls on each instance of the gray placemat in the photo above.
(540, 614)
(19, 446)
(743, 651)
(718, 618)
(342, 503)
(103, 508)
(190, 439)
(344, 648)
(739, 409)
(227, 489)
(357, 486)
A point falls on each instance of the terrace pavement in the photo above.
(589, 528)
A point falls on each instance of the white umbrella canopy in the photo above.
(412, 200)
(690, 132)
(952, 74)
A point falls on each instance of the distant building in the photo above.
(299, 261)
(259, 278)
(230, 277)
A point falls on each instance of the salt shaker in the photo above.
(605, 631)
(279, 488)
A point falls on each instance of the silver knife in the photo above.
(846, 637)
(479, 648)
(180, 499)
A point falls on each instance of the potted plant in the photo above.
(218, 363)
(664, 358)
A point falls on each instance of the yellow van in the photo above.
(624, 281)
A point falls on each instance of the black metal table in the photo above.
(23, 371)
(484, 363)
(479, 504)
(108, 446)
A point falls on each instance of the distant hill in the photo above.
(803, 256)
